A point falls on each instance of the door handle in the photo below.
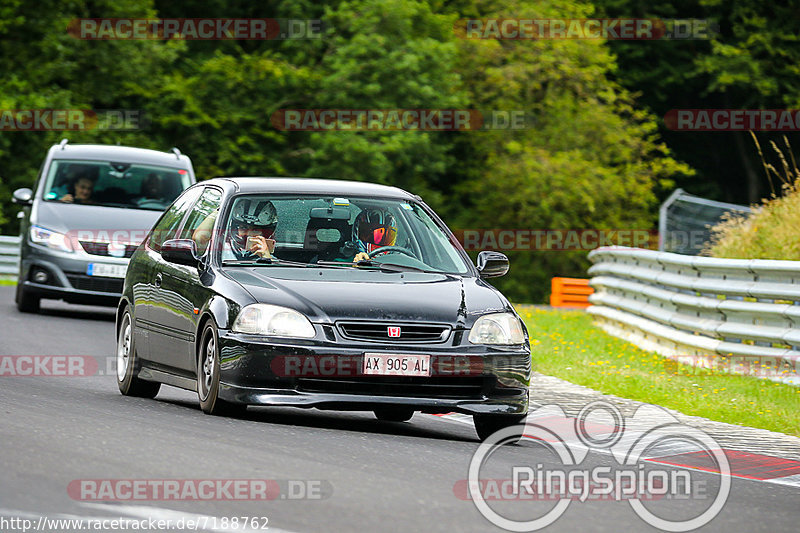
(158, 279)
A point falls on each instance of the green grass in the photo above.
(8, 282)
(565, 344)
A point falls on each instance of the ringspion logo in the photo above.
(632, 441)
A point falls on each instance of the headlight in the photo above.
(265, 319)
(51, 239)
(497, 328)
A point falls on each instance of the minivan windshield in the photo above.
(114, 184)
(330, 231)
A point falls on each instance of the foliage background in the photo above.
(597, 154)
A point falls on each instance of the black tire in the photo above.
(26, 301)
(208, 369)
(128, 364)
(393, 414)
(487, 425)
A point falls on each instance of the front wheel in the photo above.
(487, 425)
(26, 301)
(208, 370)
(128, 363)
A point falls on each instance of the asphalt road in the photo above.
(364, 474)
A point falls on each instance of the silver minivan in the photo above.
(91, 207)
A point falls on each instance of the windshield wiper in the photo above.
(276, 261)
(393, 267)
(369, 264)
(263, 261)
(330, 264)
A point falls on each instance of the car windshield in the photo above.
(114, 184)
(393, 235)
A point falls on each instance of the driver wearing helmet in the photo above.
(373, 229)
(251, 229)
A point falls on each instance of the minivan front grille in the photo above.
(96, 284)
(385, 332)
(101, 248)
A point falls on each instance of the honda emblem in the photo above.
(394, 331)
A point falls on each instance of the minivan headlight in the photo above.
(497, 328)
(273, 320)
(51, 239)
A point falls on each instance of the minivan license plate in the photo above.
(389, 364)
(106, 270)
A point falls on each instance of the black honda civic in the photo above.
(319, 293)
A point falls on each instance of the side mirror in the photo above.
(23, 196)
(180, 251)
(492, 264)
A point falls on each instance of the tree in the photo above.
(587, 160)
(750, 63)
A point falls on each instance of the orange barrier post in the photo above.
(570, 292)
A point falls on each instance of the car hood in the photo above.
(328, 295)
(96, 223)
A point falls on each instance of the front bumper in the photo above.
(67, 278)
(469, 379)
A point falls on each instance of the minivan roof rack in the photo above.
(63, 143)
(176, 152)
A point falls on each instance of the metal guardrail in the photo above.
(9, 257)
(729, 315)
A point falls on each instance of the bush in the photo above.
(772, 230)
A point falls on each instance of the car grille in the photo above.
(101, 248)
(378, 331)
(90, 283)
(433, 387)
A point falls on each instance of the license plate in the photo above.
(389, 364)
(106, 271)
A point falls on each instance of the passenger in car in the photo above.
(250, 232)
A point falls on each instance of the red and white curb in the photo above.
(744, 465)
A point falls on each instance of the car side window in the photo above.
(201, 219)
(170, 221)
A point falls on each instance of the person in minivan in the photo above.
(152, 190)
(81, 191)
